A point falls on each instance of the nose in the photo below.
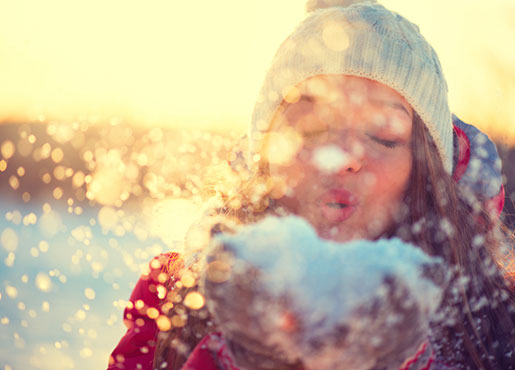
(354, 154)
(352, 166)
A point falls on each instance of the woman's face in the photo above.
(339, 150)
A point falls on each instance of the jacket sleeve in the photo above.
(208, 354)
(137, 346)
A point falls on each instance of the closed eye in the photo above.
(386, 143)
(313, 133)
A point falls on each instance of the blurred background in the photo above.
(110, 114)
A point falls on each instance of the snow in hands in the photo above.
(330, 305)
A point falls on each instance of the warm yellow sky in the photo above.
(172, 62)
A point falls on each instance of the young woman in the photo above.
(352, 132)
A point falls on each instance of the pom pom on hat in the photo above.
(313, 5)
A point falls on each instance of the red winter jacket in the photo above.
(136, 348)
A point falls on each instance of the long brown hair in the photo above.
(475, 326)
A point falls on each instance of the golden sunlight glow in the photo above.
(201, 63)
(282, 146)
(162, 62)
(171, 218)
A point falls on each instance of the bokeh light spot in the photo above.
(89, 293)
(80, 315)
(194, 300)
(163, 323)
(152, 313)
(335, 37)
(26, 197)
(9, 239)
(291, 95)
(58, 193)
(45, 306)
(57, 155)
(43, 246)
(7, 149)
(14, 182)
(86, 352)
(179, 321)
(9, 260)
(43, 282)
(188, 280)
(11, 291)
(282, 146)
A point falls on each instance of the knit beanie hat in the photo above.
(359, 38)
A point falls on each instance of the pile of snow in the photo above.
(331, 305)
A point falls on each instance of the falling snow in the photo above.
(84, 209)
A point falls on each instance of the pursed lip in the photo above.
(337, 205)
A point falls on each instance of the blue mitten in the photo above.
(286, 299)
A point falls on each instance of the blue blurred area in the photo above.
(54, 319)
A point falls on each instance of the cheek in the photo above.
(292, 175)
(386, 193)
(388, 176)
(300, 167)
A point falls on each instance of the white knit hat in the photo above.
(359, 38)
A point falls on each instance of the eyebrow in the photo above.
(303, 98)
(307, 98)
(393, 105)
